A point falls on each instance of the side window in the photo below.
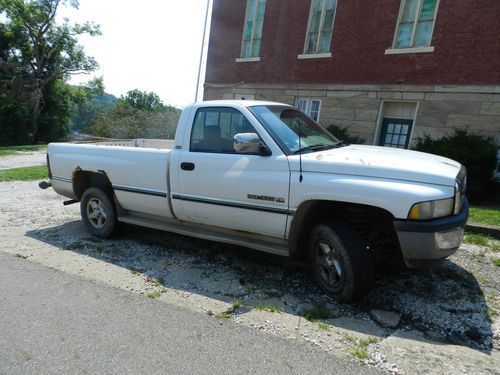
(415, 24)
(320, 26)
(252, 31)
(214, 130)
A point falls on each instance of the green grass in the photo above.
(482, 240)
(485, 215)
(24, 174)
(12, 150)
(238, 303)
(225, 315)
(496, 262)
(155, 282)
(360, 353)
(360, 349)
(324, 326)
(268, 308)
(156, 293)
(317, 312)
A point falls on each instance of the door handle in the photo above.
(187, 166)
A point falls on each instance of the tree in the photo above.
(143, 101)
(40, 53)
(137, 115)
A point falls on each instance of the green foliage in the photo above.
(38, 55)
(15, 122)
(90, 100)
(143, 101)
(24, 174)
(123, 121)
(476, 152)
(343, 135)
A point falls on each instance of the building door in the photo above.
(395, 132)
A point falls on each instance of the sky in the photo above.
(150, 45)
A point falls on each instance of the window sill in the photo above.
(400, 51)
(247, 59)
(314, 56)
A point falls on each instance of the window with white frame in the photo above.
(416, 23)
(310, 107)
(252, 31)
(320, 27)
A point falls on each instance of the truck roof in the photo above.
(244, 103)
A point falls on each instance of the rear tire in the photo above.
(338, 263)
(98, 212)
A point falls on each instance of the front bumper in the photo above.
(425, 244)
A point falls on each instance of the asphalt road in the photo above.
(54, 323)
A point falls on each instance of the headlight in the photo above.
(432, 209)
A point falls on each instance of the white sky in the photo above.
(150, 45)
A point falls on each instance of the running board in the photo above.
(253, 241)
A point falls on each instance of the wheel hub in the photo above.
(329, 264)
(96, 213)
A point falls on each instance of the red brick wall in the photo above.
(466, 40)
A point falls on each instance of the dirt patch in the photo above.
(454, 309)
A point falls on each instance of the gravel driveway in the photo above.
(23, 159)
(445, 321)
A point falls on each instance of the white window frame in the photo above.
(254, 28)
(308, 106)
(317, 54)
(412, 49)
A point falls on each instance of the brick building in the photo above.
(389, 70)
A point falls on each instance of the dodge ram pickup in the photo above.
(265, 176)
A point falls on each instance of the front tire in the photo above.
(338, 263)
(98, 212)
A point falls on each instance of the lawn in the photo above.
(24, 174)
(485, 215)
(12, 150)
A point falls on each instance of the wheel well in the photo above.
(374, 224)
(82, 180)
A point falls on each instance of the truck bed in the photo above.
(165, 144)
(137, 169)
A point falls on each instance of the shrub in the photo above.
(478, 153)
(343, 135)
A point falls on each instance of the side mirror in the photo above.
(247, 143)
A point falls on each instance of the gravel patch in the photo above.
(454, 309)
(23, 159)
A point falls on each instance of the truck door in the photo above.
(220, 187)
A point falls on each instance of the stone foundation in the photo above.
(360, 108)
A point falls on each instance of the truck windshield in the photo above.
(286, 123)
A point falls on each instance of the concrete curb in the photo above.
(489, 230)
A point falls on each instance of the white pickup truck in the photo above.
(265, 176)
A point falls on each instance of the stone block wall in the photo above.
(440, 109)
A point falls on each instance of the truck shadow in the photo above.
(447, 304)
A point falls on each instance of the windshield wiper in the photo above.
(319, 147)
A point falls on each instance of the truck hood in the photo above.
(381, 162)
